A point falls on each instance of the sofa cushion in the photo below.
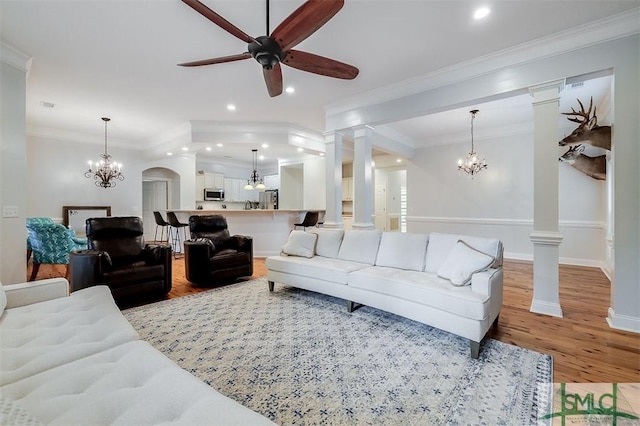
(329, 240)
(131, 384)
(44, 335)
(360, 246)
(462, 262)
(402, 250)
(301, 243)
(441, 244)
(323, 268)
(424, 288)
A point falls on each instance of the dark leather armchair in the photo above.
(118, 258)
(212, 255)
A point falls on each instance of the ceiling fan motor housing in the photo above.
(266, 51)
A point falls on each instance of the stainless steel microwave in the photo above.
(214, 194)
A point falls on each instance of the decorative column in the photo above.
(546, 237)
(333, 179)
(362, 178)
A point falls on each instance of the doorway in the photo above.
(155, 197)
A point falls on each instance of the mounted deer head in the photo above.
(588, 129)
(595, 167)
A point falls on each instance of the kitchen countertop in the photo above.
(218, 211)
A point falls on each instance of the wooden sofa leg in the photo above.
(270, 285)
(475, 349)
(350, 306)
(495, 322)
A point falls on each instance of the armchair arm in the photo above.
(160, 254)
(157, 254)
(241, 243)
(196, 259)
(35, 291)
(86, 267)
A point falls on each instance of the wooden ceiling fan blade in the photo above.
(273, 78)
(320, 65)
(218, 20)
(304, 21)
(220, 60)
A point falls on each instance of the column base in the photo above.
(360, 225)
(546, 308)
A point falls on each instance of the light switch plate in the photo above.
(10, 211)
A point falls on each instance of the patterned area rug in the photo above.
(299, 357)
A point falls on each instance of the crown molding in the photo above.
(14, 57)
(586, 35)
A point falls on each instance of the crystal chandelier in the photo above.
(254, 182)
(471, 165)
(105, 172)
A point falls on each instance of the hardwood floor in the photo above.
(583, 346)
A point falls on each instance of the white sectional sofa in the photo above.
(75, 360)
(451, 282)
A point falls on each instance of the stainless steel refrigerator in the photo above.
(269, 199)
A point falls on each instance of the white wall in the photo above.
(291, 187)
(314, 184)
(499, 201)
(12, 165)
(56, 179)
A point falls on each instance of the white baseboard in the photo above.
(623, 322)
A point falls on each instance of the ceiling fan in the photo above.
(277, 48)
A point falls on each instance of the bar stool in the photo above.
(175, 240)
(310, 219)
(163, 225)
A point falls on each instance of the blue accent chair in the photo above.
(50, 243)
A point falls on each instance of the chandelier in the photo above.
(471, 165)
(105, 172)
(254, 182)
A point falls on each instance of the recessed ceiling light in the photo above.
(231, 107)
(481, 12)
(265, 145)
(219, 145)
(322, 154)
(300, 150)
(261, 157)
(169, 154)
(398, 160)
(208, 148)
(184, 148)
(290, 89)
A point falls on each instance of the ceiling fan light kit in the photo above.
(272, 50)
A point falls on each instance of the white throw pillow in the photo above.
(300, 243)
(329, 241)
(3, 299)
(462, 262)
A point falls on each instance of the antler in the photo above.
(586, 115)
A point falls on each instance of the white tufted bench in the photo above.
(75, 360)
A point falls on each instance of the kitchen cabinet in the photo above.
(347, 189)
(234, 191)
(272, 181)
(207, 180)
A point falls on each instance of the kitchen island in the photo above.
(269, 228)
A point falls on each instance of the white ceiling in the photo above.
(118, 59)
